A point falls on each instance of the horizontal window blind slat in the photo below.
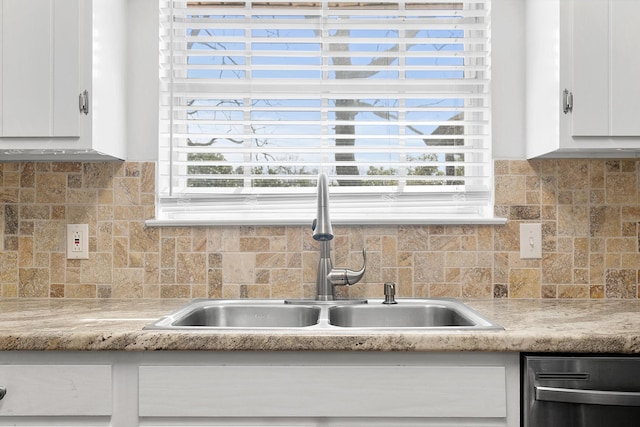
(197, 166)
(248, 136)
(363, 178)
(430, 4)
(280, 24)
(284, 109)
(314, 41)
(328, 122)
(293, 9)
(346, 89)
(311, 67)
(391, 150)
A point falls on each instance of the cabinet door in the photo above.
(590, 115)
(40, 68)
(606, 88)
(323, 391)
(625, 67)
(55, 390)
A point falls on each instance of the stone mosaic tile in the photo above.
(589, 211)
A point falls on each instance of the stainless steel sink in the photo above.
(202, 314)
(425, 314)
(419, 314)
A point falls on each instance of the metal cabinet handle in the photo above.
(588, 397)
(567, 101)
(83, 102)
(3, 392)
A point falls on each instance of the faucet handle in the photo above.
(345, 276)
(354, 277)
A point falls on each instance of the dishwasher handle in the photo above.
(588, 397)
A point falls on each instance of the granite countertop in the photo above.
(583, 326)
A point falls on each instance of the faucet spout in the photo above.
(322, 230)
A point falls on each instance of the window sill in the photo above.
(344, 210)
(306, 221)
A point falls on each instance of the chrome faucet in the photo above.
(328, 277)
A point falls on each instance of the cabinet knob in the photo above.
(3, 391)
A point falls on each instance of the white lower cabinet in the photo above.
(332, 389)
(123, 389)
(55, 390)
(55, 394)
(323, 391)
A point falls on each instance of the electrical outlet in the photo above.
(530, 241)
(77, 241)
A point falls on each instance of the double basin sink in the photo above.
(421, 314)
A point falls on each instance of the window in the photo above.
(390, 98)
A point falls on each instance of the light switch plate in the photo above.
(77, 241)
(530, 241)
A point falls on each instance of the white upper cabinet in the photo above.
(62, 80)
(40, 69)
(583, 90)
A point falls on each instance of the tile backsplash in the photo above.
(589, 211)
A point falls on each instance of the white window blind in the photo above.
(389, 98)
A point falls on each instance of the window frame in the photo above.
(276, 207)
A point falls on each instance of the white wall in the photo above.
(508, 74)
(508, 78)
(142, 82)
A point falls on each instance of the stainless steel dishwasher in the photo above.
(580, 391)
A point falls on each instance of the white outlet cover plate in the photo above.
(530, 241)
(82, 251)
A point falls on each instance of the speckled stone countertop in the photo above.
(583, 326)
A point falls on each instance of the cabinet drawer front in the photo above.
(56, 390)
(322, 391)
